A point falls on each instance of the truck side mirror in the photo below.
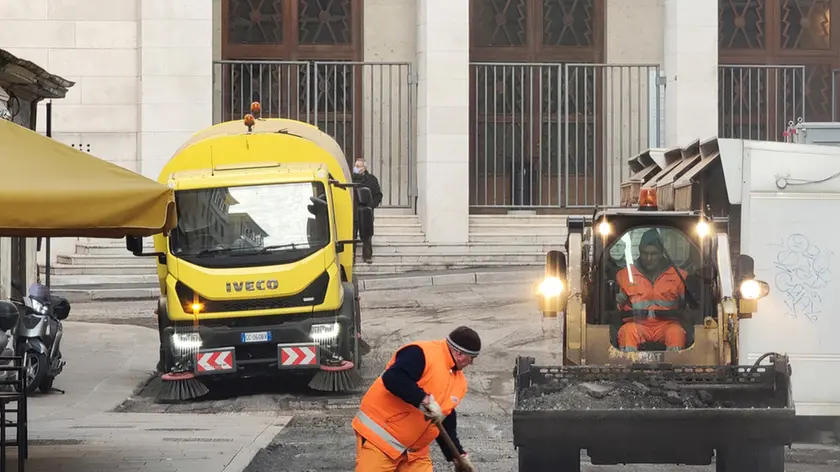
(134, 244)
(364, 196)
(365, 215)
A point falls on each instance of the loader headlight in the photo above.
(604, 228)
(324, 332)
(703, 229)
(550, 287)
(754, 289)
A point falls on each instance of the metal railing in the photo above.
(835, 75)
(558, 135)
(758, 101)
(369, 108)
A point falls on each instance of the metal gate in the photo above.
(559, 135)
(369, 108)
(758, 101)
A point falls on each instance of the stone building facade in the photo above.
(467, 106)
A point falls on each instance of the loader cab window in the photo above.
(650, 296)
(251, 225)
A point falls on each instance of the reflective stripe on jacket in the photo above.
(396, 427)
(664, 293)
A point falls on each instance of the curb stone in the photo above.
(402, 281)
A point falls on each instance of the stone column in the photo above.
(443, 119)
(175, 45)
(691, 68)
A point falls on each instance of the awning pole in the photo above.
(47, 242)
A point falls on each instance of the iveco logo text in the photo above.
(252, 285)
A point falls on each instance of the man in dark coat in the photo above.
(361, 175)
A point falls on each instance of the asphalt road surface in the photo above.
(319, 438)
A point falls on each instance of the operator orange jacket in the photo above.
(396, 427)
(663, 293)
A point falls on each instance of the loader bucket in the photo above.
(656, 414)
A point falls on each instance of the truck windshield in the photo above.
(227, 222)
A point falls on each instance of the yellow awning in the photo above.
(49, 189)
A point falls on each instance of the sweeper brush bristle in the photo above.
(182, 387)
(343, 378)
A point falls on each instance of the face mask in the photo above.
(356, 170)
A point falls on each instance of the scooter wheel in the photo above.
(38, 361)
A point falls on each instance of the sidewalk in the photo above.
(78, 432)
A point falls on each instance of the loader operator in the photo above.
(423, 381)
(649, 285)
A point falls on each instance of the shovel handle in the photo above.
(456, 456)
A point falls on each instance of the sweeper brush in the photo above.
(340, 377)
(180, 387)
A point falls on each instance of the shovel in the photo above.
(456, 456)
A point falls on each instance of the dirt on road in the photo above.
(319, 438)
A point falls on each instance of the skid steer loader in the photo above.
(647, 380)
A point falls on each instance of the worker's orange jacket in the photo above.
(663, 293)
(396, 427)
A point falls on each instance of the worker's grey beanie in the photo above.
(465, 340)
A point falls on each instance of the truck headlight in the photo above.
(550, 287)
(186, 342)
(752, 289)
(324, 331)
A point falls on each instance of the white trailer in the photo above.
(789, 198)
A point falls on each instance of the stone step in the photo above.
(547, 241)
(478, 248)
(518, 219)
(370, 281)
(65, 281)
(462, 259)
(99, 249)
(379, 266)
(140, 268)
(515, 229)
(400, 228)
(387, 268)
(126, 259)
(471, 248)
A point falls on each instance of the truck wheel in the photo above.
(750, 457)
(532, 459)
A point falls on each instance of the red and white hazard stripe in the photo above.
(214, 361)
(298, 355)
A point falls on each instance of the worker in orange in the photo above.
(649, 285)
(422, 384)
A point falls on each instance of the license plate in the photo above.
(260, 337)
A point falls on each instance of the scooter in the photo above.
(37, 337)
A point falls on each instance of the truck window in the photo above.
(229, 221)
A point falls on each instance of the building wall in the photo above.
(141, 70)
(633, 103)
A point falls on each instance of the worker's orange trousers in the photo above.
(370, 459)
(632, 333)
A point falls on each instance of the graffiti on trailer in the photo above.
(803, 271)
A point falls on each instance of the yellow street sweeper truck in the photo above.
(257, 278)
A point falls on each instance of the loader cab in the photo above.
(636, 251)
